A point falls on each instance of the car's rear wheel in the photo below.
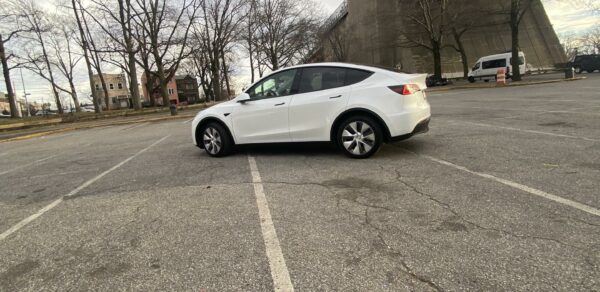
(216, 140)
(359, 137)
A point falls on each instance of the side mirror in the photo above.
(243, 98)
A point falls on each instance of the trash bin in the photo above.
(173, 109)
(570, 73)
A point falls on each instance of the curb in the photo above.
(58, 131)
(508, 85)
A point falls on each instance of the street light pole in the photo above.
(25, 94)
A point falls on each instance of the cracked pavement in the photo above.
(174, 219)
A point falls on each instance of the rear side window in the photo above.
(494, 64)
(354, 76)
(321, 78)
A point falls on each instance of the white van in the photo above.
(487, 67)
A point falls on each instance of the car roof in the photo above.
(336, 64)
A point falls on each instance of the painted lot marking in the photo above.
(279, 271)
(527, 131)
(41, 212)
(135, 126)
(27, 165)
(185, 122)
(527, 189)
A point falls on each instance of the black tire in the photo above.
(356, 143)
(471, 79)
(216, 140)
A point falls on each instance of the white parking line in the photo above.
(26, 165)
(279, 271)
(39, 213)
(516, 185)
(527, 131)
(185, 122)
(136, 126)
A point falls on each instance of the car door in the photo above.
(322, 94)
(265, 117)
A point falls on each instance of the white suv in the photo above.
(356, 107)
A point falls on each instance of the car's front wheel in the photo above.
(216, 140)
(359, 137)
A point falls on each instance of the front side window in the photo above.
(279, 84)
(476, 66)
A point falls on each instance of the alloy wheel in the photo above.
(358, 138)
(212, 140)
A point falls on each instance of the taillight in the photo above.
(407, 89)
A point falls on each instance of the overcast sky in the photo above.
(565, 18)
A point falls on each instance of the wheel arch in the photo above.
(207, 121)
(361, 112)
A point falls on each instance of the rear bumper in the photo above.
(421, 128)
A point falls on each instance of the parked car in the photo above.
(432, 81)
(356, 107)
(587, 63)
(487, 67)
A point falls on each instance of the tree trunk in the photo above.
(274, 61)
(133, 84)
(74, 97)
(104, 89)
(51, 76)
(462, 52)
(163, 82)
(437, 60)
(215, 68)
(225, 75)
(85, 48)
(515, 8)
(150, 87)
(125, 19)
(516, 72)
(14, 109)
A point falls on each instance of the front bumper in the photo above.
(421, 128)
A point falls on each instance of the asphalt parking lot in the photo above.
(502, 194)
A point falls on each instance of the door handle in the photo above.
(280, 104)
(334, 97)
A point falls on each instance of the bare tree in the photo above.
(430, 17)
(37, 57)
(64, 56)
(167, 27)
(339, 43)
(117, 24)
(85, 38)
(287, 31)
(10, 29)
(248, 33)
(591, 40)
(516, 12)
(215, 33)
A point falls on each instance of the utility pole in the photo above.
(25, 94)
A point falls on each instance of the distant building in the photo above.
(187, 89)
(171, 90)
(118, 93)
